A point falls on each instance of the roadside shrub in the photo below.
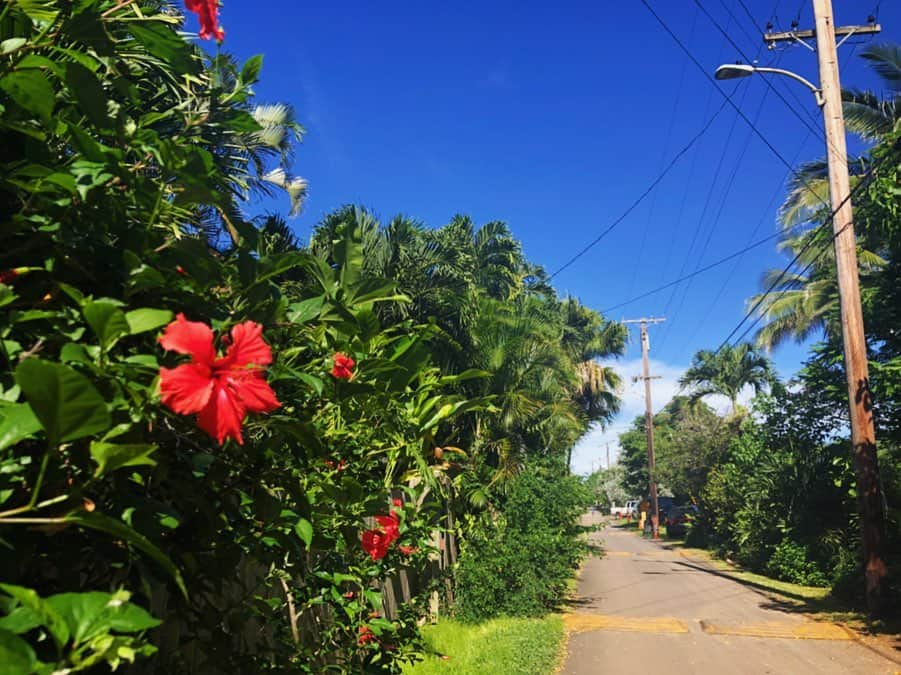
(519, 563)
(791, 562)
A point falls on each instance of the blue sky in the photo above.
(554, 118)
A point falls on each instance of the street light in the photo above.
(732, 71)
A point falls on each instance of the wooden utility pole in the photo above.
(608, 456)
(863, 435)
(649, 419)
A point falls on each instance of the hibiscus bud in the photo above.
(181, 271)
(439, 453)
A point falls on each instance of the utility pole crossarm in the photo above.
(800, 35)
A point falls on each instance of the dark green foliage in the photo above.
(520, 563)
(128, 156)
(791, 561)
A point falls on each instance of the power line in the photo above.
(766, 80)
(760, 221)
(643, 195)
(663, 153)
(865, 180)
(728, 99)
(722, 206)
(667, 331)
(707, 201)
(689, 183)
(697, 272)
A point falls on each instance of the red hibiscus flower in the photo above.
(220, 391)
(343, 367)
(366, 635)
(377, 541)
(208, 13)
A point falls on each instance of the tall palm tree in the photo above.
(871, 116)
(728, 371)
(803, 303)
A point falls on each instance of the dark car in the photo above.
(677, 520)
(664, 504)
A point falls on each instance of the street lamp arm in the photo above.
(807, 83)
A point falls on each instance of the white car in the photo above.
(632, 508)
(621, 511)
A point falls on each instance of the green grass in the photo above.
(508, 646)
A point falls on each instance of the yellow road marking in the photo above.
(590, 622)
(813, 630)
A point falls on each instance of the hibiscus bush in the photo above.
(218, 447)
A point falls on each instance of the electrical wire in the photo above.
(766, 80)
(704, 209)
(725, 196)
(697, 272)
(728, 99)
(643, 195)
(663, 153)
(763, 215)
(865, 180)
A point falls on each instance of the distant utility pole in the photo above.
(649, 417)
(863, 434)
(608, 456)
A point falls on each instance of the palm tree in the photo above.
(728, 371)
(871, 116)
(804, 303)
(801, 304)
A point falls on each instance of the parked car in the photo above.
(664, 504)
(632, 509)
(678, 518)
(619, 511)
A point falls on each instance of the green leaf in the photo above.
(16, 655)
(316, 383)
(250, 73)
(66, 403)
(107, 321)
(147, 319)
(73, 352)
(306, 310)
(18, 424)
(95, 613)
(32, 90)
(88, 92)
(12, 44)
(118, 529)
(164, 43)
(38, 10)
(304, 530)
(20, 620)
(45, 612)
(112, 456)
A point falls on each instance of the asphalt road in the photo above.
(648, 608)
